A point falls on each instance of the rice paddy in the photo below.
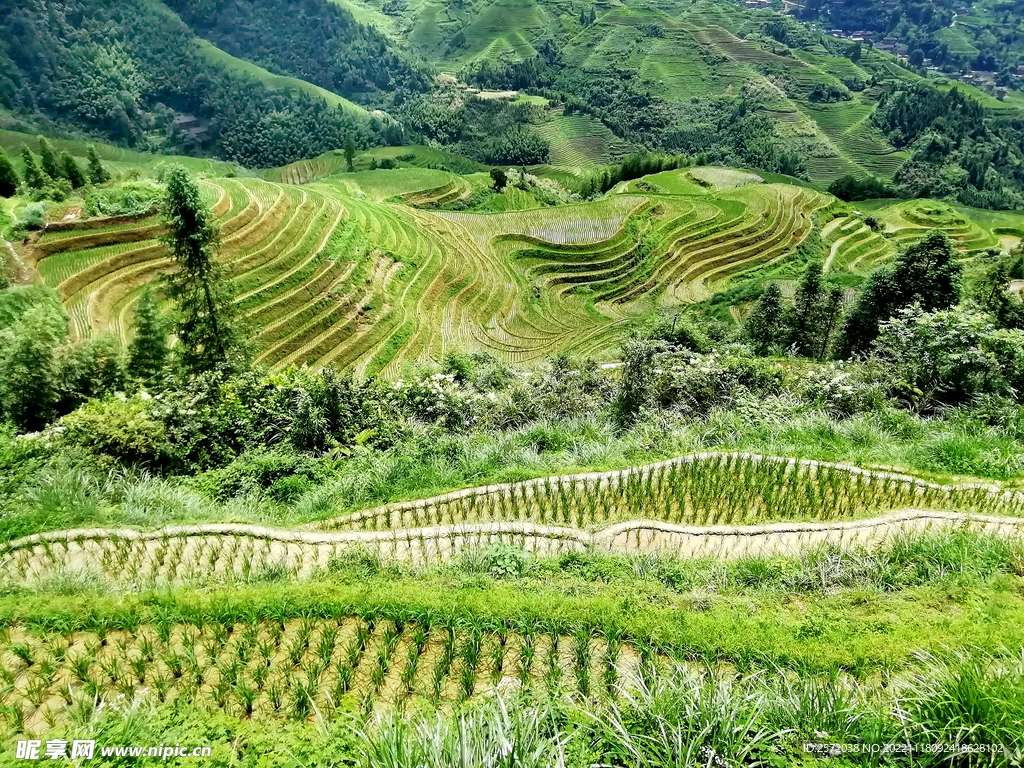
(302, 668)
(368, 270)
(707, 505)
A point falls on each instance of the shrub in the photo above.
(118, 430)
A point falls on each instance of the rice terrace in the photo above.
(512, 383)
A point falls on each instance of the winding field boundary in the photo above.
(188, 553)
(721, 505)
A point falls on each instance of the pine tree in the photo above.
(350, 153)
(97, 173)
(33, 176)
(205, 327)
(765, 327)
(48, 159)
(147, 352)
(9, 180)
(72, 171)
(808, 313)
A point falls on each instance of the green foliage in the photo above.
(816, 313)
(71, 171)
(48, 160)
(148, 351)
(499, 178)
(123, 71)
(97, 173)
(136, 198)
(960, 149)
(927, 272)
(950, 356)
(499, 561)
(9, 179)
(29, 369)
(636, 386)
(764, 327)
(34, 178)
(517, 146)
(31, 218)
(851, 188)
(207, 334)
(992, 292)
(120, 431)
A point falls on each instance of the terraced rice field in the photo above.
(721, 505)
(361, 271)
(579, 141)
(273, 663)
(301, 669)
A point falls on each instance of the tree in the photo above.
(992, 293)
(807, 316)
(764, 328)
(97, 173)
(350, 154)
(636, 387)
(48, 159)
(950, 355)
(33, 176)
(29, 371)
(72, 172)
(500, 178)
(927, 273)
(205, 326)
(9, 180)
(147, 351)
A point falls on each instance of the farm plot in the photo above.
(355, 272)
(704, 505)
(579, 141)
(302, 669)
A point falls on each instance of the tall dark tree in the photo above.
(33, 176)
(205, 326)
(765, 327)
(48, 160)
(350, 154)
(97, 173)
(927, 273)
(72, 171)
(9, 180)
(147, 351)
(807, 314)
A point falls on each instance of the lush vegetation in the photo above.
(643, 390)
(126, 71)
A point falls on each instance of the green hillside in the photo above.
(373, 270)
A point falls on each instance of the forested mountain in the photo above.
(706, 78)
(126, 70)
(312, 39)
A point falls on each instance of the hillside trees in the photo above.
(316, 40)
(9, 179)
(48, 160)
(97, 173)
(815, 313)
(147, 351)
(959, 148)
(72, 172)
(116, 69)
(764, 327)
(33, 175)
(205, 327)
(927, 273)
